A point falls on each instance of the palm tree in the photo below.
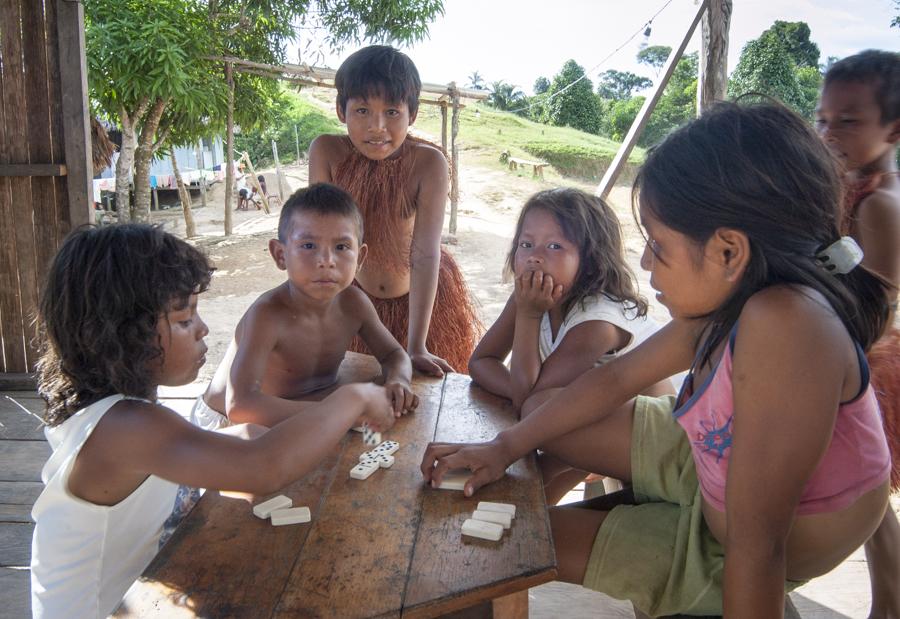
(505, 96)
(476, 82)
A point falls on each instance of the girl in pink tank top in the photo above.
(775, 468)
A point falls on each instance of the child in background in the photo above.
(574, 307)
(400, 183)
(291, 341)
(771, 466)
(859, 118)
(118, 317)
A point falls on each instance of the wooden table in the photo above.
(389, 546)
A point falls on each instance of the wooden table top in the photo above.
(389, 546)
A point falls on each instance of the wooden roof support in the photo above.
(618, 162)
(712, 84)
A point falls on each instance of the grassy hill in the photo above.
(484, 133)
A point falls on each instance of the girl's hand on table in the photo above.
(487, 461)
(403, 400)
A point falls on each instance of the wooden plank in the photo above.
(356, 560)
(15, 540)
(12, 331)
(15, 513)
(22, 460)
(76, 125)
(61, 223)
(643, 116)
(17, 424)
(20, 492)
(15, 593)
(33, 169)
(524, 557)
(18, 381)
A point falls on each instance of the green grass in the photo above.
(485, 135)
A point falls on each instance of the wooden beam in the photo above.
(454, 160)
(33, 169)
(618, 162)
(712, 84)
(76, 125)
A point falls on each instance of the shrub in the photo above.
(579, 161)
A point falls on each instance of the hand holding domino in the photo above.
(486, 462)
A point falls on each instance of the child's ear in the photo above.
(894, 135)
(730, 249)
(276, 248)
(361, 255)
(341, 113)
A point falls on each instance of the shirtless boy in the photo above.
(291, 341)
(400, 184)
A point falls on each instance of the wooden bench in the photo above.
(537, 166)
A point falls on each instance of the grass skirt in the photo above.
(455, 326)
(884, 364)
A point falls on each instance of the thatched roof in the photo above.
(101, 147)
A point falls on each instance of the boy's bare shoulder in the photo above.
(353, 301)
(267, 311)
(330, 147)
(883, 204)
(428, 157)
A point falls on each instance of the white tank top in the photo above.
(85, 556)
(597, 307)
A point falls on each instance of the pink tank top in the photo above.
(856, 461)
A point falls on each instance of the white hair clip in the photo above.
(840, 257)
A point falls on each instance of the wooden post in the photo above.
(618, 162)
(283, 190)
(76, 124)
(297, 143)
(229, 148)
(201, 164)
(155, 205)
(454, 159)
(712, 84)
(444, 126)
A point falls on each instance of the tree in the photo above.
(795, 38)
(505, 96)
(572, 100)
(150, 66)
(476, 82)
(654, 56)
(541, 85)
(766, 67)
(896, 21)
(620, 85)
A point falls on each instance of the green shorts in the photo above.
(674, 564)
(659, 553)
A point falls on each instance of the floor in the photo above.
(842, 593)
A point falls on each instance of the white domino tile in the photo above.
(385, 461)
(484, 530)
(295, 515)
(370, 437)
(501, 518)
(387, 447)
(363, 471)
(455, 479)
(487, 506)
(264, 509)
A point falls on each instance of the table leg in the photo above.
(512, 606)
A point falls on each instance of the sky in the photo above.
(520, 40)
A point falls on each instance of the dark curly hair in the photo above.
(104, 292)
(762, 170)
(592, 226)
(379, 71)
(321, 199)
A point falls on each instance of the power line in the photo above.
(642, 29)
